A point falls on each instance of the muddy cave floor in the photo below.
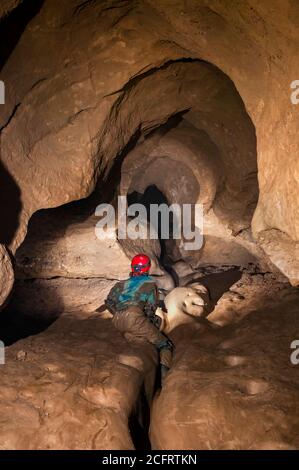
(80, 385)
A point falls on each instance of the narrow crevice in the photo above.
(140, 418)
(152, 195)
(139, 423)
(13, 113)
(99, 278)
(133, 81)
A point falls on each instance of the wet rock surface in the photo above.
(234, 387)
(6, 275)
(69, 110)
(85, 112)
(73, 386)
(76, 384)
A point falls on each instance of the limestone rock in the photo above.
(47, 299)
(184, 305)
(7, 6)
(6, 275)
(70, 249)
(247, 295)
(72, 377)
(227, 388)
(69, 130)
(283, 252)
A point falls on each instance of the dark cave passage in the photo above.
(187, 157)
(184, 151)
(153, 196)
(183, 158)
(15, 326)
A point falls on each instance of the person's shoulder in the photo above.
(121, 283)
(151, 280)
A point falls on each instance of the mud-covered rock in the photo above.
(6, 275)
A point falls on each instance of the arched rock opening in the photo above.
(99, 95)
(183, 129)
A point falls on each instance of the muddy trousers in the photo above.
(134, 321)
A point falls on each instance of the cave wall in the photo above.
(77, 63)
(7, 6)
(210, 105)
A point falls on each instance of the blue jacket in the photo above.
(139, 291)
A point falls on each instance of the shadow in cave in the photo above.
(44, 225)
(17, 321)
(220, 282)
(139, 423)
(153, 195)
(13, 25)
(14, 326)
(10, 206)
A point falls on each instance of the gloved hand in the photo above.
(157, 321)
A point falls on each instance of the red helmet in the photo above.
(140, 264)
